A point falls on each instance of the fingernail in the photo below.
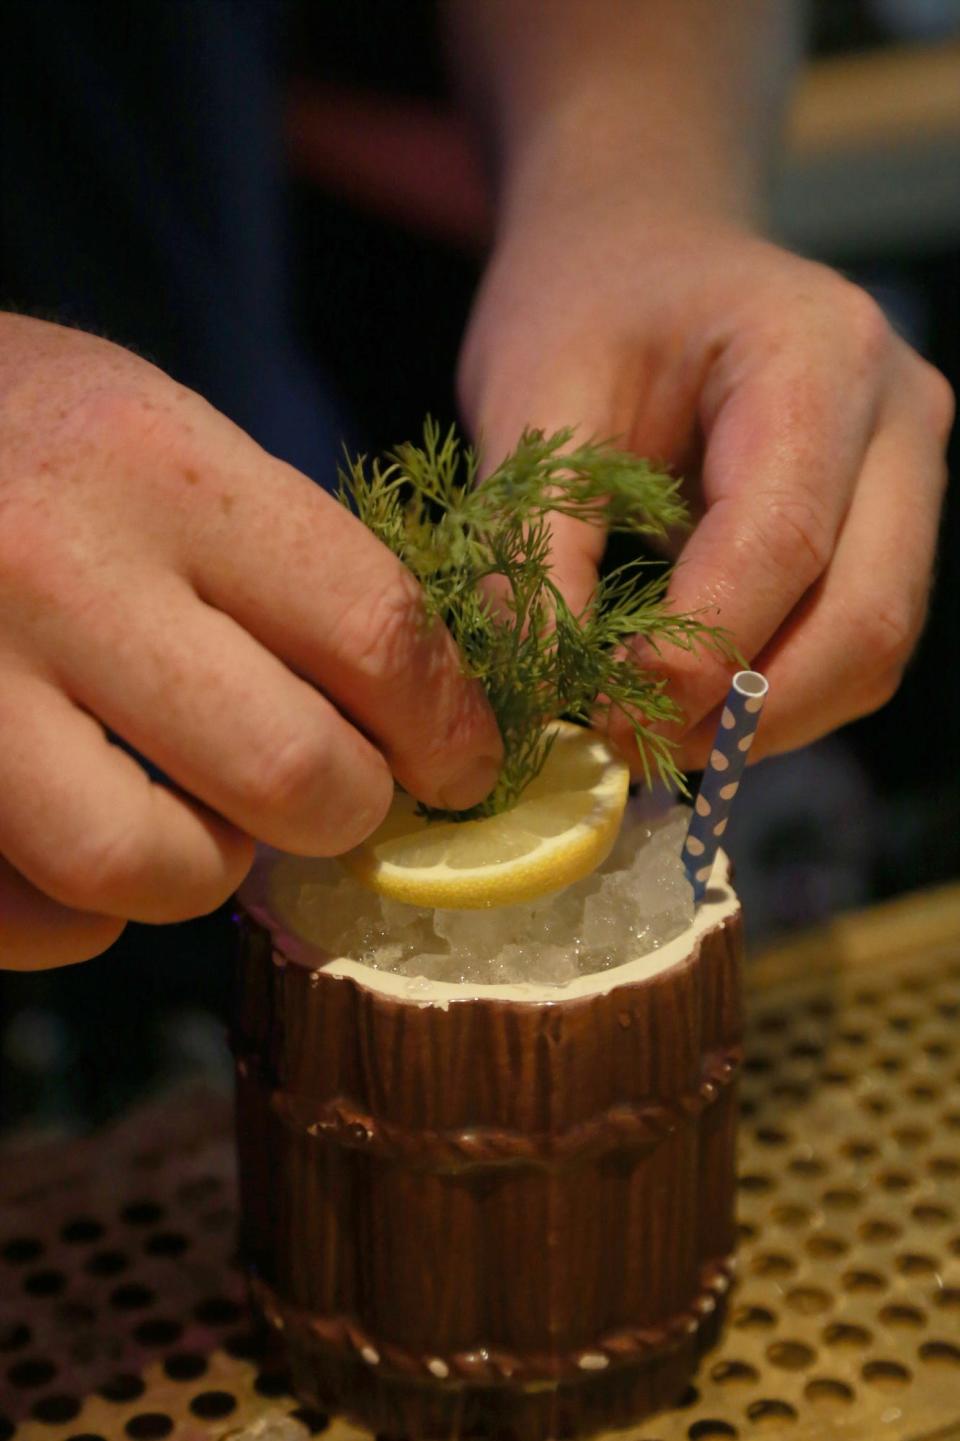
(472, 785)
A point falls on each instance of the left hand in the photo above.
(812, 435)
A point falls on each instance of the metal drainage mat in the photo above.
(121, 1314)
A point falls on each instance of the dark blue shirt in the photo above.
(141, 183)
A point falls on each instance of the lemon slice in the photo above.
(561, 829)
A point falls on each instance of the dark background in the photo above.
(380, 309)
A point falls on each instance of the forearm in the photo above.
(675, 101)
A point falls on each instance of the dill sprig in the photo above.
(535, 657)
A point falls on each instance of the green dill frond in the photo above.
(534, 657)
(590, 482)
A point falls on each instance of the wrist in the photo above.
(592, 220)
(595, 156)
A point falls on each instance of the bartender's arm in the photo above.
(166, 582)
(630, 290)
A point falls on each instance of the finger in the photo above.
(565, 396)
(782, 457)
(310, 582)
(576, 550)
(842, 652)
(647, 406)
(36, 933)
(226, 720)
(85, 825)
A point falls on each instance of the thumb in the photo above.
(576, 549)
(576, 546)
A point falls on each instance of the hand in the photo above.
(163, 578)
(813, 438)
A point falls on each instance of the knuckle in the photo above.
(865, 321)
(122, 413)
(459, 717)
(281, 778)
(887, 637)
(101, 870)
(796, 536)
(940, 401)
(303, 800)
(389, 631)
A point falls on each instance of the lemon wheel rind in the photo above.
(550, 868)
(553, 862)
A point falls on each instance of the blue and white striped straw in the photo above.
(711, 809)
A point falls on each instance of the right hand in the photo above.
(163, 578)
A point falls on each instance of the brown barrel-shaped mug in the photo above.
(491, 1211)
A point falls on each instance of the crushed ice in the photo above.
(637, 900)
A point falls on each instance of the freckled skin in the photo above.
(164, 579)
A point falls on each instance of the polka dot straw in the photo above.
(711, 809)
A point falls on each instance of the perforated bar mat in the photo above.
(121, 1314)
